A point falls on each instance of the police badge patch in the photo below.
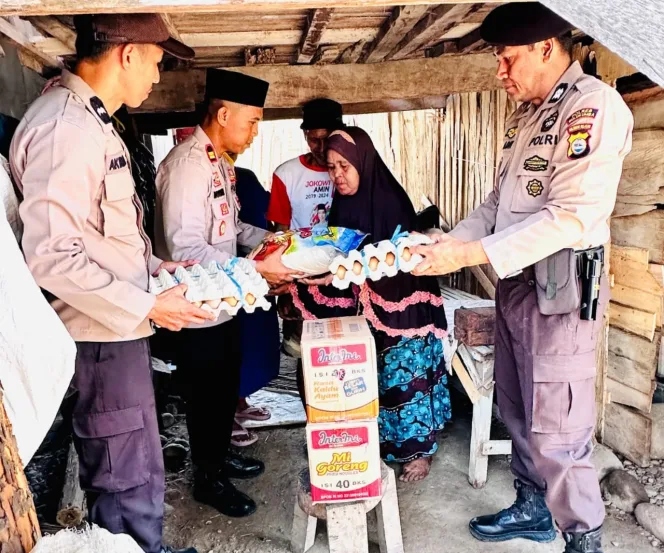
(549, 122)
(536, 163)
(212, 156)
(534, 188)
(579, 141)
(559, 93)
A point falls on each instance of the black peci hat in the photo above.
(322, 113)
(517, 24)
(235, 87)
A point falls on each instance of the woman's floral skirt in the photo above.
(414, 399)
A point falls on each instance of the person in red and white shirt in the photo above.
(301, 187)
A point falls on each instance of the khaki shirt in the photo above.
(197, 215)
(557, 182)
(83, 237)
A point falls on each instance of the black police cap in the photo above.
(517, 24)
(235, 87)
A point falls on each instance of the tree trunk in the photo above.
(19, 528)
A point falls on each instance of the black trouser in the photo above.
(208, 373)
(117, 439)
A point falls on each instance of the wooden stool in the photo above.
(347, 522)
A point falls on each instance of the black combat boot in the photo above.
(527, 518)
(213, 488)
(583, 542)
(237, 466)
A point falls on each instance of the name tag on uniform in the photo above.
(219, 193)
(116, 163)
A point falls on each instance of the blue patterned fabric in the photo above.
(414, 399)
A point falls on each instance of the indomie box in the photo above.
(340, 377)
(344, 461)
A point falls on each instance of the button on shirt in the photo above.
(557, 182)
(197, 206)
(83, 237)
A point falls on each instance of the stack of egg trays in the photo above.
(229, 288)
(374, 261)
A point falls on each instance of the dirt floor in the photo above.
(434, 513)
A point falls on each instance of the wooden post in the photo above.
(71, 510)
(19, 528)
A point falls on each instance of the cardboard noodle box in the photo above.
(340, 377)
(344, 461)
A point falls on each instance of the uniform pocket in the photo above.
(117, 205)
(563, 393)
(533, 180)
(112, 450)
(223, 228)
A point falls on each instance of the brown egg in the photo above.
(390, 258)
(198, 303)
(231, 301)
(357, 267)
(341, 272)
(406, 254)
(250, 299)
(214, 304)
(373, 263)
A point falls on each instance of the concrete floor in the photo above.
(434, 513)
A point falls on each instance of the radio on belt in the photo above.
(339, 364)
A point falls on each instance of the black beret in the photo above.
(519, 23)
(235, 87)
(322, 113)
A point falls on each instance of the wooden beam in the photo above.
(176, 91)
(326, 54)
(610, 66)
(158, 122)
(317, 22)
(62, 7)
(57, 29)
(23, 43)
(274, 38)
(293, 85)
(172, 29)
(462, 45)
(353, 53)
(400, 22)
(432, 28)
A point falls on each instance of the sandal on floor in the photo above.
(241, 437)
(253, 414)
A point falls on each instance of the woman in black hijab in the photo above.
(405, 312)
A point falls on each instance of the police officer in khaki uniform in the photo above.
(542, 229)
(85, 246)
(197, 215)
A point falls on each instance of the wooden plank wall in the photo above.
(637, 268)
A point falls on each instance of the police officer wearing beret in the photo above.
(198, 215)
(542, 229)
(85, 245)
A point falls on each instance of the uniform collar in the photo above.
(562, 87)
(83, 90)
(204, 139)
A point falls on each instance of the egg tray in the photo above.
(227, 287)
(375, 261)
